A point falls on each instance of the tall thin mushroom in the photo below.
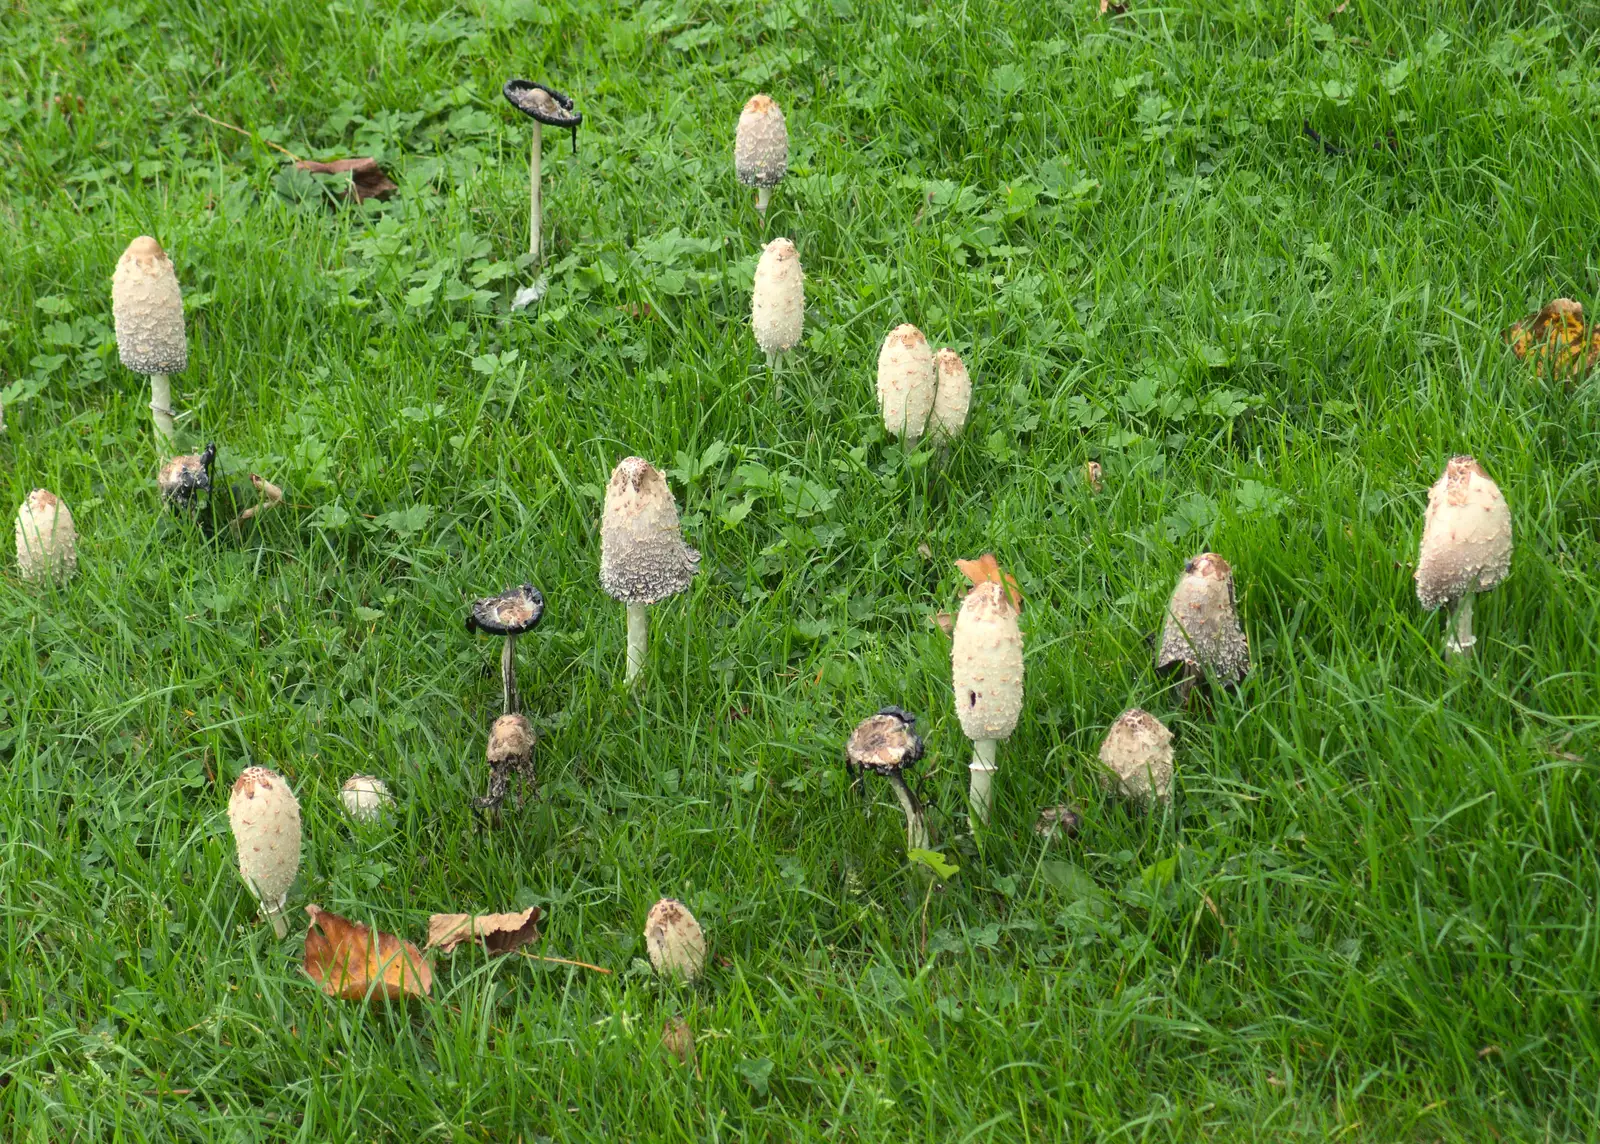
(986, 672)
(778, 304)
(147, 308)
(1202, 634)
(885, 744)
(542, 105)
(761, 147)
(265, 818)
(952, 396)
(906, 383)
(1466, 545)
(512, 613)
(643, 559)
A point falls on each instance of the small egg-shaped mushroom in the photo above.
(952, 395)
(365, 798)
(761, 147)
(147, 309)
(265, 817)
(906, 383)
(1202, 632)
(47, 542)
(986, 672)
(1466, 545)
(643, 559)
(778, 300)
(676, 943)
(1137, 753)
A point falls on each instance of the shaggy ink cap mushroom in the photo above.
(47, 542)
(761, 147)
(952, 396)
(182, 479)
(365, 797)
(510, 755)
(147, 310)
(544, 105)
(512, 613)
(1466, 545)
(1202, 634)
(886, 744)
(676, 943)
(986, 671)
(1058, 822)
(265, 818)
(778, 301)
(1137, 757)
(643, 559)
(906, 383)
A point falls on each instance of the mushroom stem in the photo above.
(982, 768)
(916, 824)
(774, 362)
(535, 199)
(1461, 639)
(763, 196)
(161, 407)
(638, 638)
(508, 676)
(280, 924)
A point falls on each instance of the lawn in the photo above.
(1254, 257)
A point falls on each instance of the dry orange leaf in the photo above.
(499, 933)
(1557, 338)
(986, 570)
(355, 963)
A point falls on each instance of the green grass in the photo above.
(1370, 913)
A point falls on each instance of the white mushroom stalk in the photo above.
(778, 303)
(643, 559)
(952, 396)
(1137, 755)
(761, 147)
(986, 671)
(1466, 546)
(265, 817)
(906, 383)
(1202, 631)
(147, 307)
(676, 943)
(47, 542)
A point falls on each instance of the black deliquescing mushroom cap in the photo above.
(885, 743)
(184, 478)
(511, 613)
(545, 104)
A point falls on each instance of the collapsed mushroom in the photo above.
(1056, 822)
(986, 671)
(778, 302)
(147, 308)
(1202, 633)
(510, 755)
(265, 817)
(183, 478)
(643, 559)
(510, 614)
(761, 147)
(885, 744)
(952, 396)
(542, 105)
(47, 542)
(906, 383)
(365, 798)
(1466, 545)
(1137, 754)
(676, 943)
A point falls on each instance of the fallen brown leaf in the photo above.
(986, 570)
(1558, 336)
(354, 963)
(367, 179)
(500, 933)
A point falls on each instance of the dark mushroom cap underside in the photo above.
(885, 743)
(511, 613)
(545, 104)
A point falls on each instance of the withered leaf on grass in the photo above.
(353, 962)
(367, 179)
(1558, 339)
(986, 570)
(500, 933)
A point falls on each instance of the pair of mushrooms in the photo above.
(509, 751)
(920, 391)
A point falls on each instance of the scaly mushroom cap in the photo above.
(906, 382)
(265, 817)
(511, 740)
(47, 542)
(511, 613)
(183, 478)
(545, 104)
(677, 945)
(1202, 627)
(986, 664)
(1137, 753)
(1058, 822)
(1466, 536)
(778, 302)
(643, 558)
(147, 306)
(885, 743)
(952, 396)
(365, 797)
(761, 146)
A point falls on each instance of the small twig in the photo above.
(246, 134)
(564, 961)
(1311, 134)
(271, 497)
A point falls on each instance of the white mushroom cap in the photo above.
(953, 396)
(510, 740)
(677, 945)
(986, 664)
(1202, 626)
(761, 145)
(1137, 753)
(365, 798)
(265, 817)
(47, 542)
(147, 306)
(906, 382)
(1466, 536)
(643, 558)
(778, 302)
